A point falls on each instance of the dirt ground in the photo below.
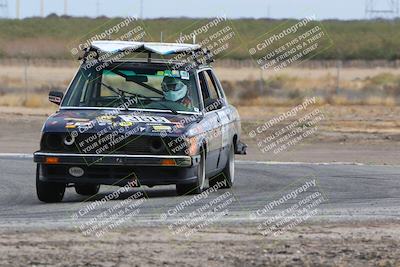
(364, 134)
(367, 134)
(351, 244)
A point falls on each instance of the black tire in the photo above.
(228, 174)
(199, 185)
(49, 192)
(87, 189)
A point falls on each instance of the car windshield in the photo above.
(143, 87)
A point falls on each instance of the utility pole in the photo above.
(17, 9)
(97, 8)
(65, 7)
(141, 9)
(42, 8)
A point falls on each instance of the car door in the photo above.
(211, 122)
(224, 119)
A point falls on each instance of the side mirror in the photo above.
(56, 97)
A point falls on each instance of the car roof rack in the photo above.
(163, 49)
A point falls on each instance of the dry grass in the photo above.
(346, 74)
(22, 100)
(36, 77)
(40, 47)
(341, 100)
(281, 89)
(244, 86)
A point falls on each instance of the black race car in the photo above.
(139, 122)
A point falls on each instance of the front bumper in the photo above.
(117, 159)
(117, 169)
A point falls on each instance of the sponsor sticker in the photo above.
(131, 118)
(161, 128)
(76, 119)
(175, 73)
(168, 73)
(125, 123)
(106, 118)
(184, 75)
(70, 125)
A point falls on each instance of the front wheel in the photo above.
(199, 185)
(227, 177)
(47, 191)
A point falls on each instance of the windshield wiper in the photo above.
(136, 95)
(121, 93)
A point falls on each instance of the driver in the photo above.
(177, 91)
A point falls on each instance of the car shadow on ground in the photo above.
(156, 192)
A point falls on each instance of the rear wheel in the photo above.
(227, 177)
(199, 185)
(47, 191)
(87, 189)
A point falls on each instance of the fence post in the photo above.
(338, 67)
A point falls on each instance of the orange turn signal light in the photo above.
(168, 162)
(52, 160)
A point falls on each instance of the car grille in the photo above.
(134, 145)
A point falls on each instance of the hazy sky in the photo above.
(323, 9)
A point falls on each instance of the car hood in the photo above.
(94, 121)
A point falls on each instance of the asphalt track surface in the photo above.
(352, 192)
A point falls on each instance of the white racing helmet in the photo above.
(174, 89)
